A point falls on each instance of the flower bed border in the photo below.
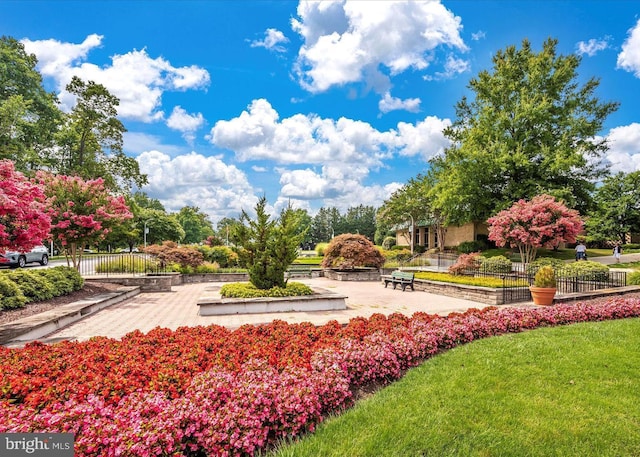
(278, 392)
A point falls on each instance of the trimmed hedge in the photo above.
(494, 283)
(585, 269)
(498, 264)
(248, 290)
(19, 287)
(34, 286)
(556, 264)
(11, 297)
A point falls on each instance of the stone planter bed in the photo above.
(485, 295)
(368, 274)
(322, 300)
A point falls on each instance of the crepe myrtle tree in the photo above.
(542, 222)
(24, 223)
(82, 212)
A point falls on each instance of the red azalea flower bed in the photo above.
(222, 392)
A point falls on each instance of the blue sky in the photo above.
(313, 103)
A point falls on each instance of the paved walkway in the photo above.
(178, 308)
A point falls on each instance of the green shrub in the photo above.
(534, 266)
(222, 255)
(248, 290)
(397, 254)
(633, 278)
(586, 270)
(498, 264)
(34, 286)
(467, 247)
(64, 279)
(389, 242)
(320, 248)
(11, 297)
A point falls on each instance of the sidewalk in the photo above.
(178, 308)
(610, 260)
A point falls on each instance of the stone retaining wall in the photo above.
(356, 275)
(478, 294)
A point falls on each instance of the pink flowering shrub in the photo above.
(465, 263)
(238, 409)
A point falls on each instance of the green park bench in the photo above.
(401, 278)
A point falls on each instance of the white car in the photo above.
(14, 259)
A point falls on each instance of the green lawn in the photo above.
(635, 265)
(564, 391)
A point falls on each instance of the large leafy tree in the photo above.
(327, 223)
(268, 246)
(304, 225)
(542, 222)
(82, 212)
(142, 200)
(29, 115)
(161, 226)
(617, 212)
(412, 204)
(196, 225)
(90, 142)
(225, 230)
(361, 219)
(24, 222)
(531, 128)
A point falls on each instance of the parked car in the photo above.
(14, 259)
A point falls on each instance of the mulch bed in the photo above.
(88, 290)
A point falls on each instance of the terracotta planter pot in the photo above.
(542, 296)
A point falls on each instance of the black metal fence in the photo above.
(129, 263)
(443, 260)
(517, 281)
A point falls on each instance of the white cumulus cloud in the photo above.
(218, 189)
(137, 79)
(624, 148)
(592, 47)
(629, 58)
(347, 41)
(424, 139)
(184, 122)
(389, 103)
(259, 134)
(272, 41)
(340, 154)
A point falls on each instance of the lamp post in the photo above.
(146, 230)
(411, 234)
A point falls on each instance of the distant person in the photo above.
(581, 252)
(617, 250)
